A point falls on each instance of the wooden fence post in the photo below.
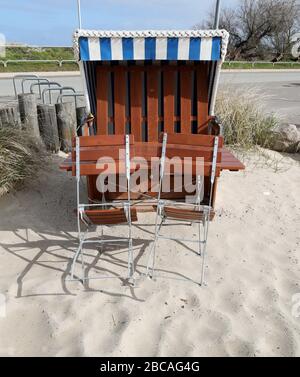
(48, 127)
(3, 118)
(28, 113)
(9, 116)
(80, 115)
(66, 122)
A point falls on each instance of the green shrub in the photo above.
(246, 123)
(21, 155)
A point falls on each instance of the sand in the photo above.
(246, 309)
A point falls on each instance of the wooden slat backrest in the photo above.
(100, 146)
(105, 140)
(194, 146)
(193, 140)
(192, 81)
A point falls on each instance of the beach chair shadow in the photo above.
(63, 250)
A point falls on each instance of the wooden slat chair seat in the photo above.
(191, 215)
(110, 216)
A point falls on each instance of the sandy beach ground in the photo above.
(252, 275)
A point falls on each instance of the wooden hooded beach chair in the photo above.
(146, 82)
(142, 83)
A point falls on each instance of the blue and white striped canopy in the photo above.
(124, 46)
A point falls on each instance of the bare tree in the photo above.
(280, 40)
(257, 26)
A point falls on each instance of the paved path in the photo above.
(281, 89)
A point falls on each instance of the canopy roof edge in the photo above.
(93, 45)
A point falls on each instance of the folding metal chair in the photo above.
(186, 211)
(105, 213)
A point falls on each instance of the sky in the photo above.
(52, 22)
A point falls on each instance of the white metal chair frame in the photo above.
(202, 240)
(81, 217)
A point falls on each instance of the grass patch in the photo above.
(39, 67)
(21, 156)
(244, 118)
(266, 65)
(38, 53)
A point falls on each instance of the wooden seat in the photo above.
(185, 214)
(110, 216)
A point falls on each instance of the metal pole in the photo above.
(217, 14)
(79, 13)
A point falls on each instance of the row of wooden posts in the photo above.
(54, 124)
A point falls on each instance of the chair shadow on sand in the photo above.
(58, 248)
(64, 249)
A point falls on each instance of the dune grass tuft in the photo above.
(245, 121)
(21, 155)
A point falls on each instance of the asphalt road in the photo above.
(281, 90)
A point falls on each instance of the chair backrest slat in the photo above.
(193, 140)
(152, 104)
(182, 152)
(186, 101)
(97, 140)
(169, 100)
(102, 101)
(136, 104)
(94, 153)
(202, 96)
(119, 101)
